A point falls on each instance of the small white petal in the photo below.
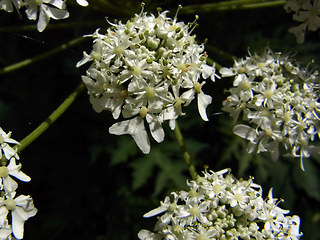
(134, 127)
(203, 101)
(83, 3)
(245, 132)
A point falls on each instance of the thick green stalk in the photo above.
(229, 6)
(185, 153)
(42, 56)
(51, 119)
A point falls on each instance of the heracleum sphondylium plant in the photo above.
(278, 100)
(219, 206)
(147, 69)
(21, 207)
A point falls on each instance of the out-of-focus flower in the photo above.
(219, 206)
(148, 68)
(41, 10)
(307, 12)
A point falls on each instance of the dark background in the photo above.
(88, 184)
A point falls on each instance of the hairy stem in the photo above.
(42, 56)
(51, 119)
(185, 153)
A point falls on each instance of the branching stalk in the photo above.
(51, 119)
(42, 56)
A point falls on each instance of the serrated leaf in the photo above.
(169, 170)
(142, 170)
(127, 148)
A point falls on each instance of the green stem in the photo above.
(33, 27)
(221, 53)
(37, 58)
(230, 5)
(51, 119)
(185, 153)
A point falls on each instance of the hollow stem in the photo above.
(42, 56)
(51, 119)
(185, 153)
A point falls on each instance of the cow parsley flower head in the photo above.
(306, 12)
(146, 70)
(278, 100)
(219, 206)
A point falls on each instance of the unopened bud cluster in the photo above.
(147, 68)
(219, 206)
(278, 101)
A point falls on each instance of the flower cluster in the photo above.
(222, 207)
(42, 10)
(279, 102)
(21, 207)
(307, 12)
(147, 68)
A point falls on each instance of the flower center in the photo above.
(238, 197)
(1, 139)
(38, 2)
(202, 237)
(193, 193)
(197, 86)
(245, 85)
(4, 172)
(136, 70)
(10, 204)
(118, 50)
(96, 56)
(183, 67)
(150, 92)
(143, 111)
(178, 103)
(194, 211)
(217, 188)
(172, 207)
(268, 94)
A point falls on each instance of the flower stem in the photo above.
(185, 153)
(51, 26)
(51, 119)
(37, 58)
(230, 5)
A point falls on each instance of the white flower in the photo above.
(83, 3)
(8, 5)
(278, 101)
(6, 149)
(21, 209)
(222, 207)
(307, 12)
(6, 182)
(148, 68)
(47, 9)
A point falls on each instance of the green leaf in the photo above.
(308, 180)
(126, 149)
(142, 169)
